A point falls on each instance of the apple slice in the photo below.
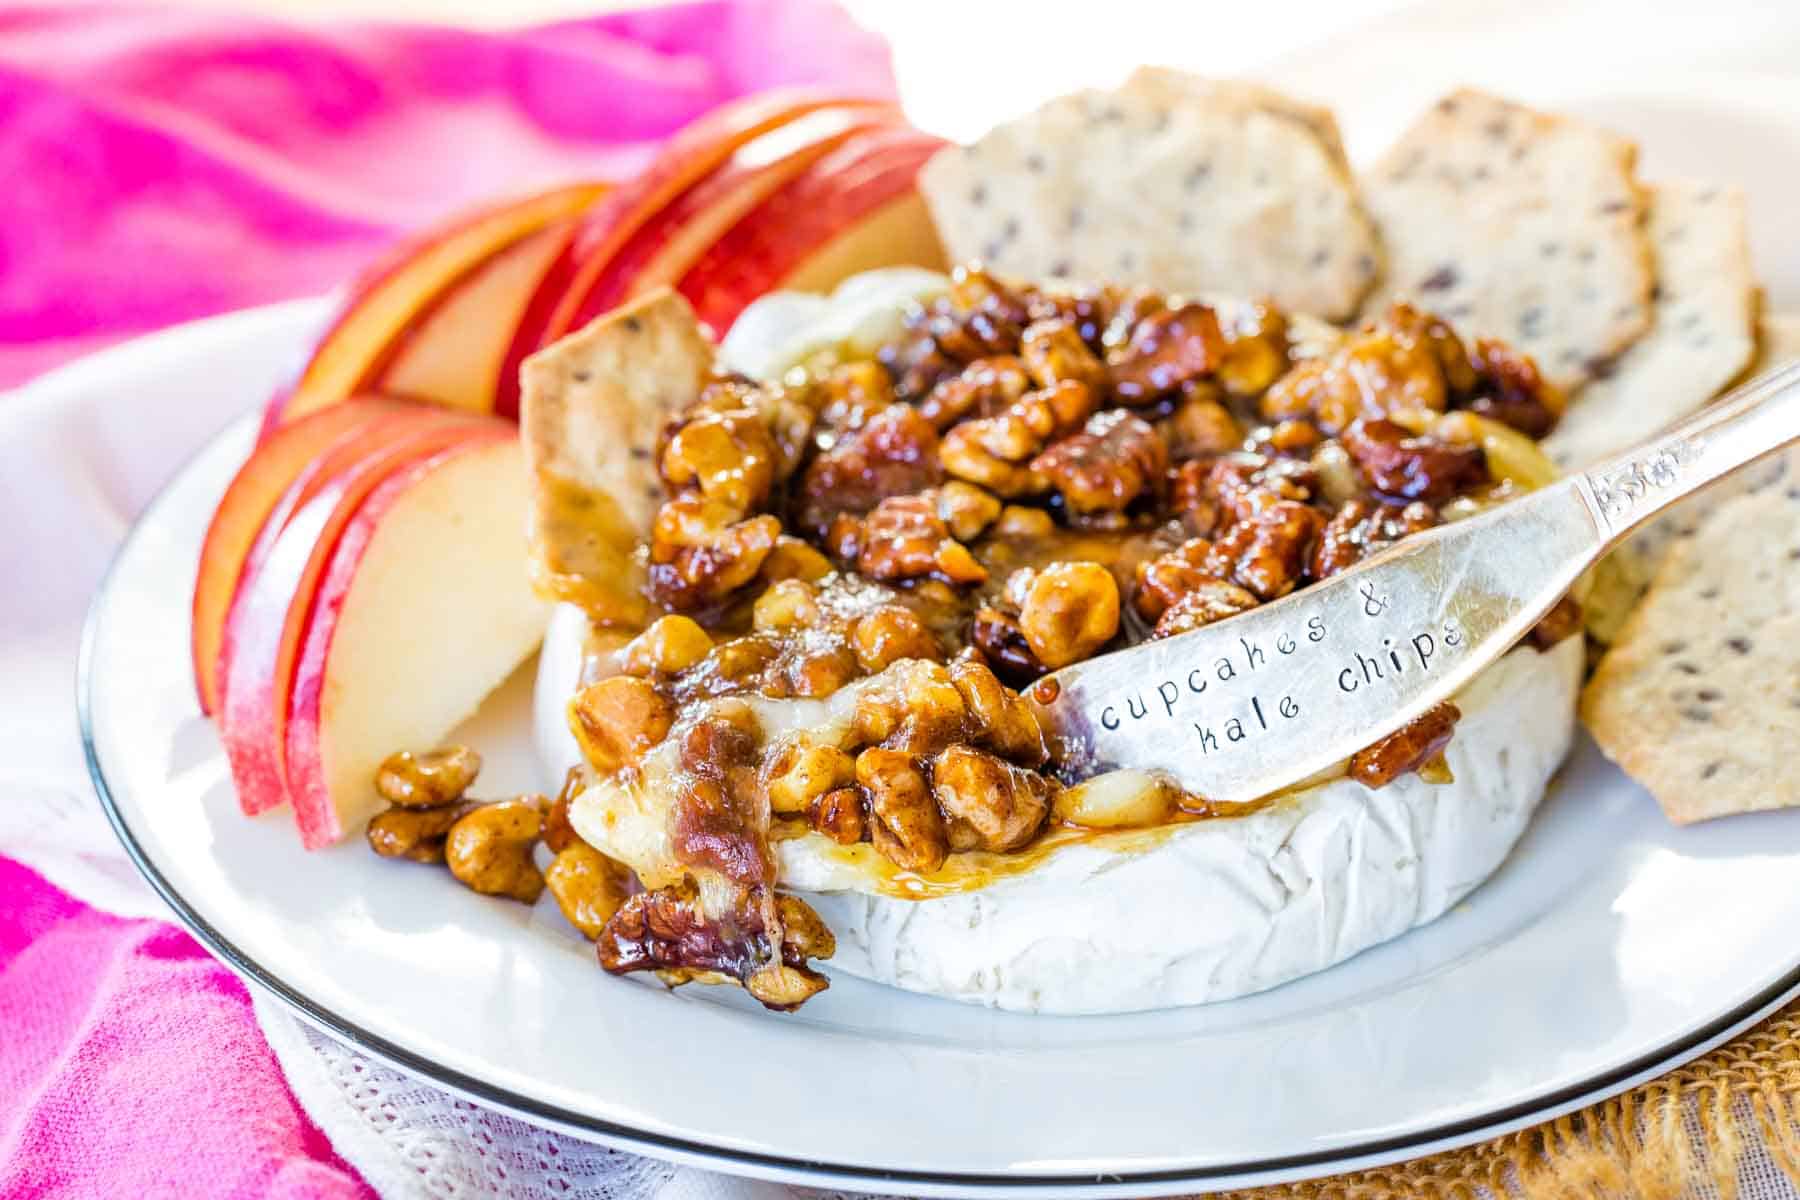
(426, 608)
(664, 249)
(683, 161)
(856, 209)
(390, 296)
(244, 508)
(269, 614)
(452, 354)
(687, 158)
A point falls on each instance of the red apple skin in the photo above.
(817, 208)
(303, 763)
(684, 160)
(663, 250)
(387, 298)
(269, 614)
(253, 494)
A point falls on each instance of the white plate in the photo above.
(1609, 948)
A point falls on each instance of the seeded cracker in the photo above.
(1699, 700)
(1170, 181)
(1702, 331)
(1518, 225)
(1624, 574)
(592, 406)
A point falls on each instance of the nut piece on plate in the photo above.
(1702, 334)
(1699, 699)
(1519, 225)
(1173, 181)
(592, 407)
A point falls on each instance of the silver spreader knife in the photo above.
(1243, 708)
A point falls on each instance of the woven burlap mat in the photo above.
(1727, 1124)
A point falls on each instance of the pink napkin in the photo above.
(160, 165)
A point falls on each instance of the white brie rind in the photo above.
(1132, 920)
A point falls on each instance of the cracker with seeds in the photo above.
(1620, 579)
(592, 407)
(1701, 334)
(1170, 181)
(1699, 700)
(1519, 225)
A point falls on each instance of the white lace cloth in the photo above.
(74, 472)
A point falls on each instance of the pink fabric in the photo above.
(160, 165)
(131, 1067)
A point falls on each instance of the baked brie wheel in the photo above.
(891, 508)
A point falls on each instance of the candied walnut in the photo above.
(889, 633)
(973, 289)
(1019, 523)
(990, 803)
(1400, 465)
(667, 930)
(729, 455)
(852, 393)
(813, 670)
(1293, 438)
(904, 538)
(1200, 425)
(1406, 749)
(966, 455)
(838, 814)
(1069, 611)
(414, 833)
(1208, 600)
(1086, 309)
(700, 553)
(794, 559)
(1405, 361)
(1131, 308)
(914, 362)
(1004, 645)
(1562, 621)
(1243, 485)
(559, 833)
(1170, 576)
(979, 317)
(1003, 722)
(1116, 459)
(430, 780)
(489, 848)
(799, 770)
(983, 388)
(906, 826)
(913, 706)
(1361, 527)
(670, 646)
(1509, 389)
(1256, 351)
(895, 454)
(789, 604)
(1167, 350)
(721, 813)
(1054, 353)
(588, 887)
(965, 509)
(1267, 552)
(618, 720)
(731, 666)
